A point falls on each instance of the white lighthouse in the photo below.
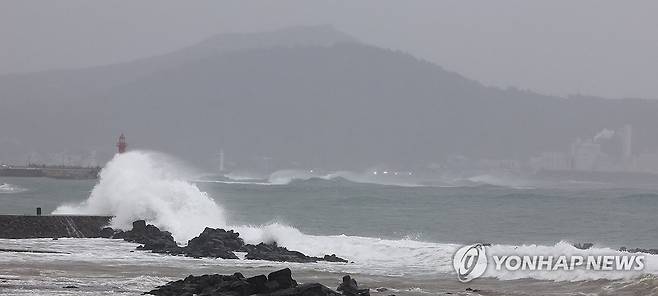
(221, 160)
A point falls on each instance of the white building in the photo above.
(585, 155)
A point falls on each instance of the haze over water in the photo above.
(406, 137)
(388, 231)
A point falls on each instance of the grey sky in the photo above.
(607, 48)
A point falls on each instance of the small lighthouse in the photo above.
(221, 160)
(122, 145)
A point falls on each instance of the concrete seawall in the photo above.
(17, 226)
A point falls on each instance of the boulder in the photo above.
(349, 287)
(283, 279)
(272, 252)
(215, 243)
(204, 285)
(258, 283)
(278, 283)
(139, 226)
(151, 238)
(583, 246)
(333, 258)
(313, 289)
(108, 232)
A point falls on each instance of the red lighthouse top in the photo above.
(122, 144)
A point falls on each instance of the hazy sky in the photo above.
(607, 48)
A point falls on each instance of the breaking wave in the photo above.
(405, 179)
(284, 177)
(245, 176)
(150, 186)
(500, 180)
(10, 188)
(146, 185)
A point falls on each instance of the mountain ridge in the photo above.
(326, 104)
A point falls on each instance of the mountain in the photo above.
(309, 97)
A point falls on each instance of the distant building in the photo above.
(585, 154)
(221, 161)
(500, 164)
(550, 161)
(647, 162)
(627, 142)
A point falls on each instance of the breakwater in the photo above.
(55, 172)
(18, 226)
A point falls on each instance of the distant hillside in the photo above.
(311, 98)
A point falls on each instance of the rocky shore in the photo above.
(211, 243)
(278, 283)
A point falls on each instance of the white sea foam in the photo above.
(283, 177)
(146, 185)
(503, 180)
(371, 255)
(244, 176)
(10, 188)
(150, 186)
(404, 179)
(565, 249)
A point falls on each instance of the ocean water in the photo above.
(398, 237)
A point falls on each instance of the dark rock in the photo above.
(583, 246)
(272, 252)
(107, 232)
(283, 278)
(71, 287)
(215, 243)
(349, 287)
(278, 283)
(258, 283)
(313, 289)
(203, 285)
(119, 234)
(139, 226)
(638, 250)
(151, 237)
(333, 258)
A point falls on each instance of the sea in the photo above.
(399, 238)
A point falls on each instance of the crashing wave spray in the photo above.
(9, 188)
(150, 186)
(147, 185)
(284, 177)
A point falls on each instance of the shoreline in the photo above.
(95, 226)
(110, 267)
(150, 252)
